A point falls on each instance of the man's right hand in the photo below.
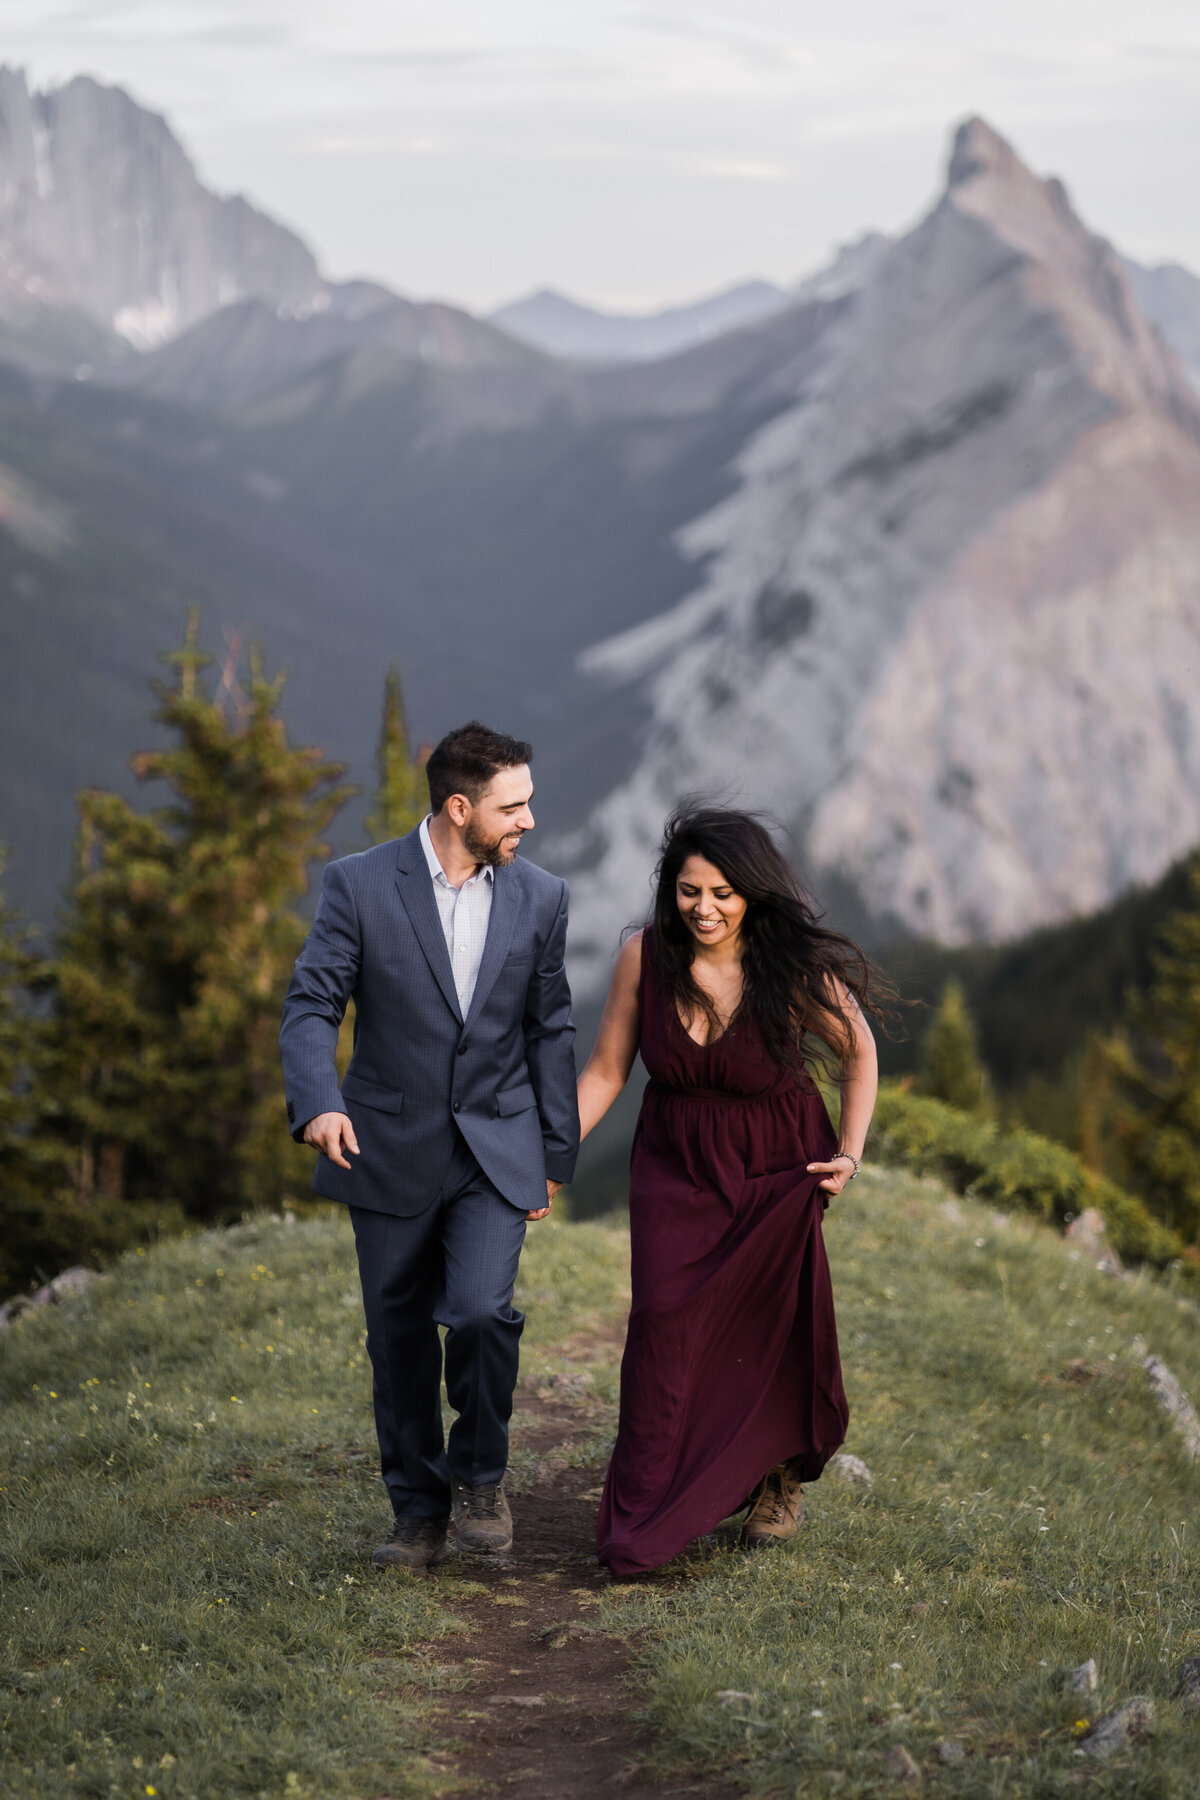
(330, 1133)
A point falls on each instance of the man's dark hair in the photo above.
(468, 758)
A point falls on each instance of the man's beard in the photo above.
(488, 850)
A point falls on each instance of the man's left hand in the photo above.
(552, 1188)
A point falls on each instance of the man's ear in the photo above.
(458, 807)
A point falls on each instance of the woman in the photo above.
(730, 1383)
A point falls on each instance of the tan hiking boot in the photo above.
(482, 1521)
(413, 1544)
(776, 1509)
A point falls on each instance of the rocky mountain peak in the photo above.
(977, 150)
(101, 210)
(1070, 269)
(943, 627)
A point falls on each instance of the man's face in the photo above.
(500, 818)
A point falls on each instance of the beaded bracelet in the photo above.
(849, 1156)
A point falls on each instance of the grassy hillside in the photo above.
(188, 1502)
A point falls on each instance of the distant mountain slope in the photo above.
(947, 627)
(243, 351)
(585, 334)
(1169, 297)
(101, 212)
(479, 523)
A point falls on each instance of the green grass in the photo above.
(188, 1495)
(188, 1500)
(1030, 1509)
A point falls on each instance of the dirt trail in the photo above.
(550, 1700)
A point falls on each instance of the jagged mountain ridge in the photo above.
(812, 493)
(947, 627)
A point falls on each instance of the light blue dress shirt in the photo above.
(464, 913)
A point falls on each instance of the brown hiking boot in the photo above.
(776, 1509)
(413, 1544)
(482, 1521)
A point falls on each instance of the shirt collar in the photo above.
(435, 868)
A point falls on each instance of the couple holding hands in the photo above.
(459, 1118)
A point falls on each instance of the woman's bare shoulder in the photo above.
(629, 958)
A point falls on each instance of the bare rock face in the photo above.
(945, 628)
(101, 212)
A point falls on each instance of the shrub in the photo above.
(1015, 1169)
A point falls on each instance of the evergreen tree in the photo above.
(402, 798)
(178, 941)
(951, 1069)
(27, 1162)
(1153, 1067)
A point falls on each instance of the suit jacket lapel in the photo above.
(505, 905)
(416, 891)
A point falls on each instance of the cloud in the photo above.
(744, 169)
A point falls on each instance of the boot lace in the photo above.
(480, 1502)
(769, 1506)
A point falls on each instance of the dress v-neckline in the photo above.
(709, 1042)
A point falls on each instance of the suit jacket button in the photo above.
(462, 1049)
(458, 1106)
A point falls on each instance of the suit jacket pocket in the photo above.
(367, 1094)
(515, 1100)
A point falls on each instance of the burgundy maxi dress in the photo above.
(731, 1361)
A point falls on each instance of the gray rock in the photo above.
(67, 1286)
(733, 1699)
(950, 1751)
(515, 1700)
(898, 1765)
(850, 1469)
(1187, 1683)
(72, 1281)
(1084, 1679)
(1175, 1403)
(1111, 1733)
(1086, 1234)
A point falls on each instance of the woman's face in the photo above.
(707, 904)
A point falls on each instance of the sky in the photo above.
(636, 155)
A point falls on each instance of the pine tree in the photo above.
(1152, 1139)
(951, 1069)
(27, 1162)
(178, 940)
(402, 798)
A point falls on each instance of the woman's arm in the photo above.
(859, 1083)
(607, 1068)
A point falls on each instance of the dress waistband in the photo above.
(721, 1094)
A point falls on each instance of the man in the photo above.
(454, 1124)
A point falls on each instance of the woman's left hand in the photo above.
(837, 1173)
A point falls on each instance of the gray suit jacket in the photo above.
(504, 1076)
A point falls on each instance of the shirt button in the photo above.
(458, 1106)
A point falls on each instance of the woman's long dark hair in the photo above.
(789, 959)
